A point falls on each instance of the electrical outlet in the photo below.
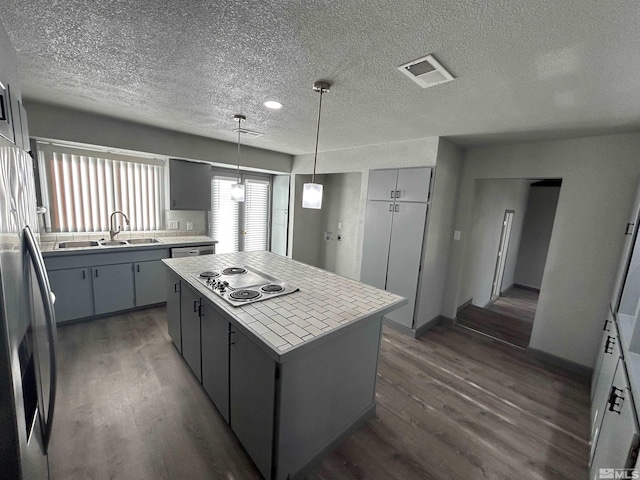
(172, 225)
(189, 226)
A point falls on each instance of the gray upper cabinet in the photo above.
(190, 319)
(113, 288)
(413, 185)
(74, 293)
(189, 185)
(215, 358)
(382, 184)
(150, 288)
(173, 309)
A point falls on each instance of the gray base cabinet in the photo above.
(174, 326)
(74, 293)
(149, 283)
(252, 382)
(113, 288)
(215, 358)
(190, 321)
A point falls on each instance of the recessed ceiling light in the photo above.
(272, 104)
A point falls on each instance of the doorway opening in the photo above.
(513, 217)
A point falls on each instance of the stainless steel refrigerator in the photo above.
(27, 326)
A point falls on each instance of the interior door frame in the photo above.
(503, 250)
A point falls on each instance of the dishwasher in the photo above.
(192, 251)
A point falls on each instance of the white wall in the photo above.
(599, 180)
(341, 206)
(439, 235)
(536, 235)
(60, 123)
(491, 199)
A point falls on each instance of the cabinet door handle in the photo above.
(195, 308)
(629, 229)
(138, 268)
(393, 193)
(391, 207)
(397, 193)
(397, 208)
(614, 396)
(84, 275)
(606, 324)
(96, 273)
(175, 287)
(608, 346)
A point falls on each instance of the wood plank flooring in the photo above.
(510, 318)
(451, 405)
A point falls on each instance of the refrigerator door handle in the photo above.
(48, 299)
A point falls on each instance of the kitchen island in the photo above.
(293, 375)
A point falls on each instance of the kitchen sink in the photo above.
(113, 243)
(78, 244)
(140, 241)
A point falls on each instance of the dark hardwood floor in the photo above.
(451, 405)
(509, 318)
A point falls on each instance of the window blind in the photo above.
(224, 219)
(83, 190)
(256, 214)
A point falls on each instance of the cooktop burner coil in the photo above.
(234, 271)
(272, 288)
(209, 274)
(244, 294)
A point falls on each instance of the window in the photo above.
(240, 226)
(82, 188)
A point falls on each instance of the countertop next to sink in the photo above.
(325, 302)
(49, 248)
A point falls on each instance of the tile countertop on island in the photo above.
(50, 248)
(325, 303)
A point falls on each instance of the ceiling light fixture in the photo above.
(237, 189)
(273, 105)
(312, 192)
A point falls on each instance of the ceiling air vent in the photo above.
(246, 131)
(426, 72)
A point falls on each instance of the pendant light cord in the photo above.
(315, 157)
(239, 121)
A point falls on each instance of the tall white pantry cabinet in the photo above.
(394, 232)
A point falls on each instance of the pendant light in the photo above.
(237, 189)
(312, 192)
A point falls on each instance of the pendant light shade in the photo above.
(237, 189)
(312, 192)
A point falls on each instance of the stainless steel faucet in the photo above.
(113, 232)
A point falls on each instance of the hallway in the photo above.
(509, 318)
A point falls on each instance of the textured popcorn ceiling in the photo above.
(525, 69)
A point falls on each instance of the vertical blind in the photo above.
(239, 226)
(84, 190)
(224, 215)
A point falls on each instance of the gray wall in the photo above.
(59, 123)
(536, 235)
(491, 199)
(444, 194)
(341, 205)
(599, 180)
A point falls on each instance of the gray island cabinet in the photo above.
(292, 375)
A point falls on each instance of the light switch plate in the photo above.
(328, 235)
(456, 235)
(189, 226)
(172, 225)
